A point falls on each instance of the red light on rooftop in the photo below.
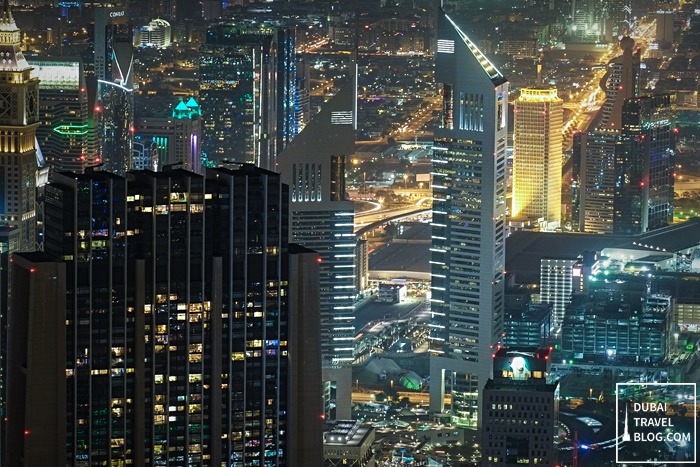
(319, 260)
(32, 270)
(493, 355)
(26, 432)
(675, 130)
(98, 108)
(546, 357)
(641, 184)
(323, 416)
(98, 160)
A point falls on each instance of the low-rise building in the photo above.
(347, 443)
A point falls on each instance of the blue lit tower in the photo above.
(247, 91)
(313, 165)
(469, 221)
(113, 67)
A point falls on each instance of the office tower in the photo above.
(587, 20)
(622, 319)
(9, 243)
(36, 386)
(64, 135)
(594, 152)
(537, 154)
(664, 26)
(468, 229)
(113, 68)
(176, 342)
(313, 165)
(644, 167)
(520, 409)
(19, 120)
(247, 91)
(179, 136)
(619, 83)
(157, 34)
(305, 424)
(556, 284)
(619, 13)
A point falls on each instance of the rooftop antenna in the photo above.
(539, 71)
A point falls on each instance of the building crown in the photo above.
(11, 56)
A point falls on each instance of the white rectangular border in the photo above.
(617, 423)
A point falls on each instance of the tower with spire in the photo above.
(19, 119)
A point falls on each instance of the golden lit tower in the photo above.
(19, 110)
(537, 157)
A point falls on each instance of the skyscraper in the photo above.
(594, 152)
(176, 342)
(113, 68)
(65, 135)
(469, 221)
(247, 91)
(644, 167)
(179, 137)
(19, 120)
(313, 165)
(537, 154)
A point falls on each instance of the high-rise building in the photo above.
(157, 34)
(65, 135)
(19, 120)
(313, 165)
(247, 88)
(537, 156)
(36, 387)
(644, 166)
(594, 152)
(469, 221)
(520, 409)
(176, 342)
(113, 68)
(179, 137)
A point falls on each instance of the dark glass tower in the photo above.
(644, 165)
(113, 68)
(176, 327)
(247, 92)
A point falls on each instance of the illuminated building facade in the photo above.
(469, 222)
(247, 88)
(520, 409)
(313, 165)
(537, 157)
(178, 137)
(65, 134)
(156, 34)
(19, 120)
(113, 68)
(175, 346)
(644, 167)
